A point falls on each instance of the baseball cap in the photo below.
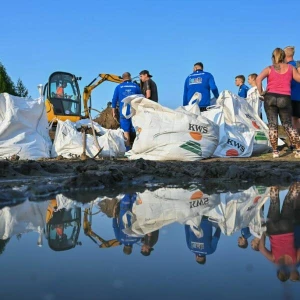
(145, 72)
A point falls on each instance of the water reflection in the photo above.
(138, 220)
(283, 233)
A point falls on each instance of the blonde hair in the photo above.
(289, 50)
(278, 56)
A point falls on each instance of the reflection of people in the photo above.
(205, 245)
(122, 220)
(243, 89)
(123, 90)
(277, 100)
(149, 87)
(60, 92)
(201, 82)
(149, 240)
(280, 228)
(243, 239)
(3, 245)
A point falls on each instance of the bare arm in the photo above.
(262, 248)
(296, 74)
(148, 94)
(264, 74)
(113, 112)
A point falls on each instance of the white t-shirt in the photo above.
(253, 99)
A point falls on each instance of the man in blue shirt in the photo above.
(205, 245)
(243, 239)
(124, 205)
(295, 95)
(201, 82)
(123, 90)
(243, 89)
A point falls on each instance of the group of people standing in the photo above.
(281, 97)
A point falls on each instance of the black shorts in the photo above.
(296, 109)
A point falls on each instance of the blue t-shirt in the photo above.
(243, 91)
(295, 95)
(201, 82)
(245, 232)
(122, 91)
(205, 245)
(126, 204)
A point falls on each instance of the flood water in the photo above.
(164, 243)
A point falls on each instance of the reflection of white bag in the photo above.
(153, 210)
(239, 210)
(166, 134)
(23, 128)
(242, 132)
(68, 141)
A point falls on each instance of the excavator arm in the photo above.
(87, 227)
(89, 88)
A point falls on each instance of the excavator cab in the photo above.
(63, 99)
(63, 228)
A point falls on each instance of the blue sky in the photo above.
(164, 36)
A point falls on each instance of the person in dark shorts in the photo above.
(295, 94)
(281, 230)
(148, 86)
(149, 240)
(123, 90)
(277, 100)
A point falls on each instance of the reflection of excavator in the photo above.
(63, 99)
(63, 227)
(87, 227)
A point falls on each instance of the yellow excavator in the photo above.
(63, 98)
(63, 228)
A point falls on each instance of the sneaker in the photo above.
(276, 154)
(297, 154)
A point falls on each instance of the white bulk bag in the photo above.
(166, 134)
(242, 132)
(155, 209)
(68, 141)
(23, 128)
(238, 210)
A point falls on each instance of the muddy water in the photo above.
(143, 242)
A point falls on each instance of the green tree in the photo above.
(21, 90)
(6, 84)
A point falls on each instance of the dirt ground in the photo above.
(45, 177)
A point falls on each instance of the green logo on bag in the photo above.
(192, 147)
(260, 136)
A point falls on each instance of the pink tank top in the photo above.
(280, 83)
(283, 244)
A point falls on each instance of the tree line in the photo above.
(8, 86)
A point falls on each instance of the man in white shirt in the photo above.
(253, 96)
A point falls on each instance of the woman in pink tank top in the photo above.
(277, 99)
(281, 228)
